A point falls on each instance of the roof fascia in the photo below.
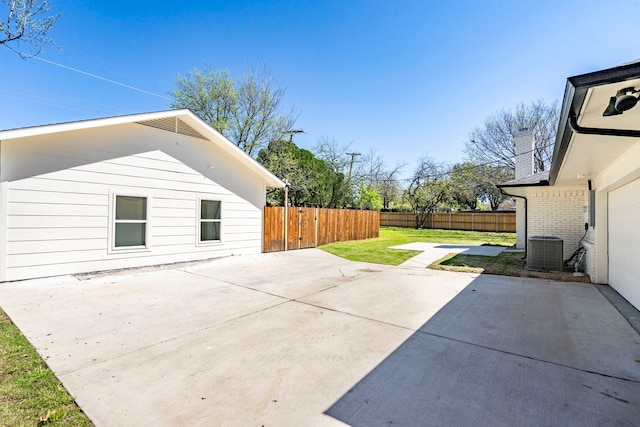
(86, 124)
(573, 101)
(544, 183)
(233, 150)
(221, 141)
(514, 191)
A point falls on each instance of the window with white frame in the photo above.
(210, 220)
(130, 221)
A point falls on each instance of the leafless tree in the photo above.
(258, 118)
(493, 143)
(26, 26)
(364, 169)
(333, 153)
(376, 173)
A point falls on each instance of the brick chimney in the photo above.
(525, 142)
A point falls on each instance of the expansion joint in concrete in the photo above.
(524, 356)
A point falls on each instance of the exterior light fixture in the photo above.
(624, 100)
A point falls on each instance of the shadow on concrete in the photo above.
(507, 351)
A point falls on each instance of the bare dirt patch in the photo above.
(564, 276)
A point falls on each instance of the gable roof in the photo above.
(178, 121)
(586, 141)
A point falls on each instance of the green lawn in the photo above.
(30, 395)
(377, 250)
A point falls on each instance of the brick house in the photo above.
(594, 181)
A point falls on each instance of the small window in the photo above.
(130, 221)
(210, 219)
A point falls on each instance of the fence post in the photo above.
(353, 224)
(286, 228)
(315, 231)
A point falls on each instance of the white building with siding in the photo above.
(123, 192)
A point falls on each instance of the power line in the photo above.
(436, 176)
(51, 99)
(440, 175)
(101, 78)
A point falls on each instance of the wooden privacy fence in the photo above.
(311, 227)
(470, 221)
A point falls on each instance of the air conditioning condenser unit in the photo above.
(544, 253)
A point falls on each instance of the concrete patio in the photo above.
(306, 338)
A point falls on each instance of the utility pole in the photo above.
(353, 156)
(286, 214)
(286, 194)
(291, 132)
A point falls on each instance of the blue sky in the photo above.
(405, 78)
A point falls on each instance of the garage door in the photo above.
(624, 241)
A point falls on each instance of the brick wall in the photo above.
(559, 212)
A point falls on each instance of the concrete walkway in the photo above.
(306, 338)
(431, 252)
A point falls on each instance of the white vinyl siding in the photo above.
(60, 217)
(624, 241)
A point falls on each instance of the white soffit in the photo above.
(588, 155)
(597, 101)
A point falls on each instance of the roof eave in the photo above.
(573, 101)
(233, 150)
(227, 146)
(539, 184)
(86, 124)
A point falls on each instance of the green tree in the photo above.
(493, 176)
(337, 161)
(467, 185)
(280, 159)
(427, 190)
(338, 189)
(209, 94)
(25, 30)
(471, 184)
(248, 112)
(308, 177)
(369, 198)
